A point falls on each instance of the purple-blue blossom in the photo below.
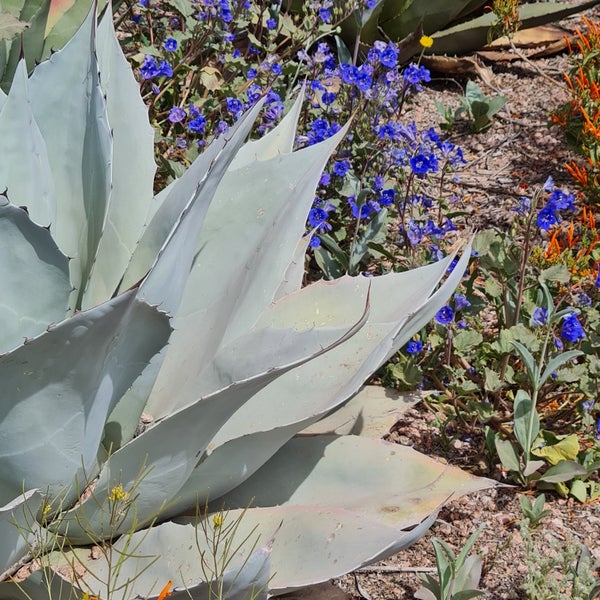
(170, 44)
(445, 315)
(414, 347)
(571, 329)
(177, 114)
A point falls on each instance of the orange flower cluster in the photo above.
(581, 116)
(573, 245)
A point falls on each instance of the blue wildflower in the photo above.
(149, 68)
(546, 218)
(328, 98)
(539, 316)
(571, 329)
(317, 217)
(387, 197)
(176, 114)
(315, 241)
(271, 24)
(234, 106)
(445, 315)
(389, 57)
(198, 124)
(341, 167)
(414, 347)
(170, 44)
(460, 302)
(421, 164)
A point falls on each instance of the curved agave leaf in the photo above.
(25, 167)
(264, 423)
(80, 368)
(18, 528)
(372, 412)
(171, 553)
(330, 541)
(133, 167)
(172, 201)
(69, 108)
(434, 14)
(388, 482)
(34, 275)
(221, 300)
(158, 463)
(165, 283)
(472, 34)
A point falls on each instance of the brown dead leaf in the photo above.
(534, 42)
(458, 65)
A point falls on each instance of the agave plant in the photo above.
(36, 28)
(161, 358)
(457, 27)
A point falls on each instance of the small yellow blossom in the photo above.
(218, 520)
(118, 493)
(426, 41)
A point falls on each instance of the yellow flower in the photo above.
(118, 493)
(426, 41)
(218, 520)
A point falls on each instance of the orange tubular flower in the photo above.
(554, 248)
(578, 173)
(165, 591)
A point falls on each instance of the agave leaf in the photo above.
(168, 276)
(87, 362)
(133, 167)
(294, 274)
(40, 585)
(372, 412)
(400, 305)
(472, 35)
(394, 484)
(35, 277)
(25, 167)
(75, 126)
(159, 462)
(435, 15)
(18, 528)
(279, 140)
(35, 12)
(331, 541)
(171, 552)
(174, 199)
(221, 301)
(10, 26)
(58, 34)
(263, 424)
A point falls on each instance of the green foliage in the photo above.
(534, 512)
(458, 576)
(437, 18)
(476, 107)
(557, 568)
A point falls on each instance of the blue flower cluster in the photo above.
(151, 68)
(556, 202)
